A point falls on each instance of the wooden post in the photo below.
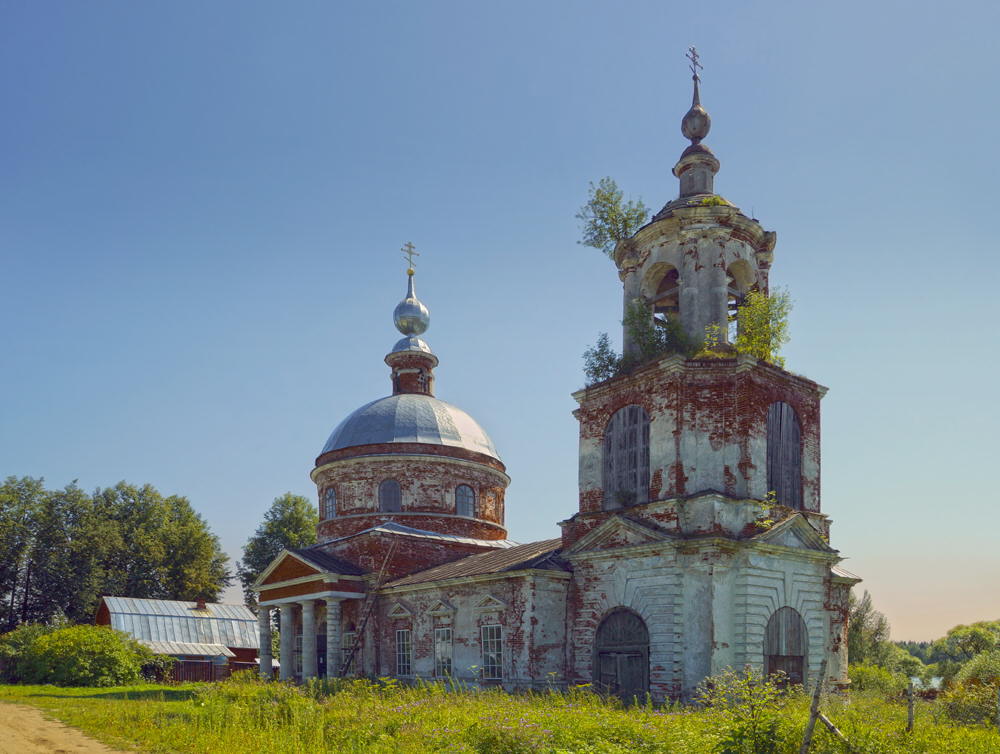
(909, 708)
(834, 730)
(814, 710)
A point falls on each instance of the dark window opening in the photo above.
(390, 496)
(626, 458)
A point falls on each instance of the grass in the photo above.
(359, 716)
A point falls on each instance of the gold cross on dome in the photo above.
(692, 55)
(409, 251)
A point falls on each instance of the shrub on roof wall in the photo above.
(84, 656)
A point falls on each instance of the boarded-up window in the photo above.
(784, 454)
(390, 497)
(785, 642)
(626, 458)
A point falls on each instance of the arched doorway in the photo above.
(621, 655)
(785, 642)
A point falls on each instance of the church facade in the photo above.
(698, 542)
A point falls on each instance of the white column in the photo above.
(333, 658)
(308, 639)
(287, 672)
(264, 631)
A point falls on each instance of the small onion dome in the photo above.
(696, 122)
(411, 418)
(411, 343)
(411, 316)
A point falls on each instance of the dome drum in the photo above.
(441, 494)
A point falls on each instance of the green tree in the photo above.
(763, 325)
(83, 656)
(19, 501)
(867, 632)
(289, 523)
(156, 547)
(607, 219)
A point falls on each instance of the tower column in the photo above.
(264, 633)
(287, 624)
(333, 640)
(309, 668)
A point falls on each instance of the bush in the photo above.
(970, 703)
(747, 707)
(84, 656)
(13, 646)
(982, 669)
(866, 677)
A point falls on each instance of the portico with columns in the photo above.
(307, 588)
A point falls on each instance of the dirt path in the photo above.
(25, 730)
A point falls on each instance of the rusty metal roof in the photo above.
(328, 562)
(535, 555)
(177, 621)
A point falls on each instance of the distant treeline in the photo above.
(61, 550)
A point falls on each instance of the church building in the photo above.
(698, 542)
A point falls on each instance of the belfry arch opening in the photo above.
(785, 642)
(626, 458)
(740, 281)
(621, 655)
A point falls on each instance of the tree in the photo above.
(19, 499)
(763, 325)
(289, 523)
(156, 547)
(606, 219)
(867, 632)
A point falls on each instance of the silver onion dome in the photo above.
(411, 418)
(411, 316)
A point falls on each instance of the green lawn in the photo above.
(249, 716)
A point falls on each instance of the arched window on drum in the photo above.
(390, 496)
(784, 454)
(328, 506)
(465, 501)
(626, 458)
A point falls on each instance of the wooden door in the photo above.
(784, 454)
(621, 661)
(785, 641)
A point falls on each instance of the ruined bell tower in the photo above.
(699, 477)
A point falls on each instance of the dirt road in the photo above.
(25, 730)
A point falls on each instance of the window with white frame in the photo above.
(465, 501)
(492, 641)
(442, 652)
(404, 652)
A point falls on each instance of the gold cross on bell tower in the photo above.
(692, 55)
(409, 251)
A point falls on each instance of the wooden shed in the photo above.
(209, 639)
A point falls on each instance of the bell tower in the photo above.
(697, 259)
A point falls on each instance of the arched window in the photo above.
(465, 501)
(390, 497)
(785, 642)
(626, 458)
(328, 509)
(784, 454)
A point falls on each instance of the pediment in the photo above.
(286, 566)
(615, 533)
(795, 532)
(441, 608)
(399, 610)
(489, 602)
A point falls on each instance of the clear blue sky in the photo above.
(201, 206)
